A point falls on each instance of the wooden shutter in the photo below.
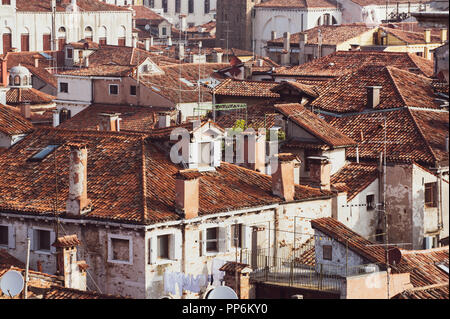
(7, 42)
(102, 41)
(11, 237)
(222, 239)
(246, 237)
(25, 42)
(52, 240)
(229, 238)
(31, 236)
(121, 42)
(202, 240)
(61, 43)
(47, 42)
(176, 246)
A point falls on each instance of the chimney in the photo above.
(446, 143)
(373, 96)
(55, 118)
(187, 192)
(135, 42)
(86, 61)
(303, 39)
(181, 51)
(25, 110)
(283, 176)
(169, 41)
(320, 171)
(147, 44)
(183, 23)
(427, 35)
(443, 35)
(36, 61)
(273, 35)
(72, 271)
(151, 41)
(109, 122)
(3, 72)
(255, 150)
(163, 120)
(78, 203)
(286, 55)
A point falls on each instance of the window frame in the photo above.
(110, 249)
(373, 206)
(7, 236)
(432, 188)
(216, 240)
(133, 89)
(37, 249)
(66, 86)
(109, 89)
(327, 252)
(240, 234)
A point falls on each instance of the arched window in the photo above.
(7, 40)
(88, 34)
(61, 38)
(25, 40)
(47, 40)
(319, 21)
(122, 36)
(17, 80)
(24, 81)
(102, 36)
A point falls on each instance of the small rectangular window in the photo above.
(327, 252)
(164, 31)
(212, 237)
(42, 240)
(39, 156)
(120, 249)
(370, 202)
(430, 194)
(163, 246)
(64, 87)
(113, 89)
(236, 235)
(3, 235)
(133, 90)
(69, 53)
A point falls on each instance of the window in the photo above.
(236, 235)
(430, 194)
(69, 53)
(327, 252)
(46, 151)
(163, 31)
(113, 89)
(164, 5)
(191, 6)
(120, 249)
(133, 90)
(42, 240)
(6, 2)
(177, 6)
(212, 239)
(207, 6)
(64, 87)
(4, 235)
(64, 115)
(151, 3)
(163, 246)
(370, 202)
(46, 42)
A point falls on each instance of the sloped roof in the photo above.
(346, 236)
(314, 125)
(231, 87)
(100, 70)
(342, 62)
(7, 260)
(354, 178)
(12, 122)
(58, 292)
(295, 4)
(411, 37)
(16, 96)
(348, 93)
(439, 291)
(298, 86)
(130, 179)
(412, 135)
(258, 116)
(145, 13)
(83, 5)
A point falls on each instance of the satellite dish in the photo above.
(147, 27)
(222, 292)
(12, 283)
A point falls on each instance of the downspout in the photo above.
(440, 216)
(183, 251)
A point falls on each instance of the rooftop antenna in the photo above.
(12, 283)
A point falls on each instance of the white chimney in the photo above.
(55, 118)
(147, 44)
(273, 35)
(163, 121)
(77, 202)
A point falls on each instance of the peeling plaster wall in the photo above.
(337, 158)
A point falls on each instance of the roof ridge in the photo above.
(394, 83)
(144, 181)
(423, 251)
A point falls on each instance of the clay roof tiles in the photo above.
(231, 87)
(297, 4)
(314, 125)
(439, 291)
(12, 122)
(58, 292)
(15, 96)
(355, 177)
(7, 260)
(83, 5)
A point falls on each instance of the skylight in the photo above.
(187, 82)
(443, 267)
(45, 55)
(39, 156)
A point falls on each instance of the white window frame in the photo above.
(130, 249)
(222, 241)
(175, 247)
(374, 201)
(32, 236)
(11, 237)
(109, 89)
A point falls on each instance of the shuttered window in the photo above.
(25, 42)
(46, 42)
(7, 42)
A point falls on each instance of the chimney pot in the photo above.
(283, 176)
(320, 171)
(443, 35)
(373, 96)
(187, 192)
(77, 203)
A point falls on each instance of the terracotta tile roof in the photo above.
(17, 96)
(297, 4)
(412, 135)
(314, 125)
(208, 27)
(355, 177)
(44, 75)
(67, 241)
(83, 5)
(100, 70)
(7, 260)
(348, 93)
(169, 84)
(58, 292)
(294, 144)
(411, 37)
(233, 266)
(331, 34)
(12, 123)
(439, 291)
(85, 45)
(258, 116)
(134, 118)
(139, 189)
(345, 235)
(231, 87)
(382, 2)
(297, 86)
(145, 13)
(342, 62)
(422, 266)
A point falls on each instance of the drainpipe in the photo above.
(440, 217)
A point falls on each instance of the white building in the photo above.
(27, 24)
(274, 18)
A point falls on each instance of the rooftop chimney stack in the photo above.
(147, 44)
(373, 96)
(303, 39)
(109, 122)
(25, 110)
(163, 121)
(283, 176)
(187, 192)
(443, 35)
(78, 203)
(273, 35)
(446, 143)
(286, 55)
(73, 271)
(255, 150)
(3, 72)
(427, 35)
(320, 171)
(55, 118)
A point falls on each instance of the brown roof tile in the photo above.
(12, 122)
(67, 241)
(16, 96)
(439, 291)
(297, 4)
(58, 292)
(231, 87)
(83, 5)
(7, 260)
(355, 177)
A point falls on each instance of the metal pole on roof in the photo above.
(25, 292)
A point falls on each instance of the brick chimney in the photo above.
(163, 120)
(255, 150)
(109, 122)
(320, 171)
(283, 176)
(3, 72)
(25, 110)
(72, 271)
(78, 203)
(240, 272)
(373, 96)
(187, 192)
(286, 55)
(303, 39)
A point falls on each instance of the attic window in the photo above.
(39, 156)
